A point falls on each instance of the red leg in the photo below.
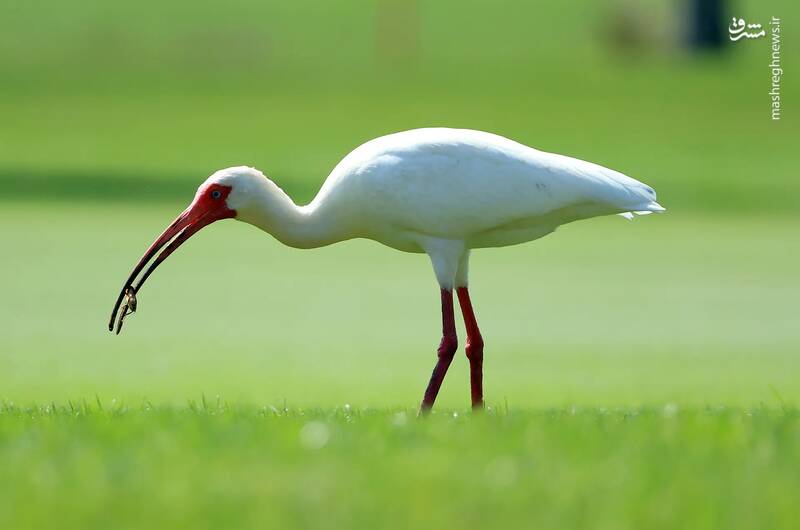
(474, 348)
(447, 349)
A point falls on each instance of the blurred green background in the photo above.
(113, 113)
(639, 374)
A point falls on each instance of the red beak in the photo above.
(202, 212)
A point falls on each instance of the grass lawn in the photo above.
(214, 466)
(603, 312)
(640, 375)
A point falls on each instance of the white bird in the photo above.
(439, 191)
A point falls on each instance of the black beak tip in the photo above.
(115, 316)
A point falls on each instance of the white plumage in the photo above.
(440, 191)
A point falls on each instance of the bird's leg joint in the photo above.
(474, 349)
(448, 346)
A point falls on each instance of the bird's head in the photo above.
(217, 198)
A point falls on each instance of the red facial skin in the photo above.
(209, 205)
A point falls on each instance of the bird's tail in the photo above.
(643, 209)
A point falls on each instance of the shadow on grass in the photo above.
(121, 186)
(113, 186)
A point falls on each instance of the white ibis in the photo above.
(438, 191)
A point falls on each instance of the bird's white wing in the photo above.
(456, 183)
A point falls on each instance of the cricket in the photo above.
(128, 308)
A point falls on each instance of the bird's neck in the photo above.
(314, 225)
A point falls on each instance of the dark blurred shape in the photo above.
(629, 28)
(626, 30)
(706, 24)
(397, 30)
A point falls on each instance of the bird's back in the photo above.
(472, 185)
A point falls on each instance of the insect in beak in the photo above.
(129, 308)
(208, 206)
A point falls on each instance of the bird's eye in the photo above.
(216, 194)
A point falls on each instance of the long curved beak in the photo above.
(189, 222)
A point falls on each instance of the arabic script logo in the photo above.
(737, 30)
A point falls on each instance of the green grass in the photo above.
(112, 104)
(639, 374)
(606, 311)
(213, 466)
